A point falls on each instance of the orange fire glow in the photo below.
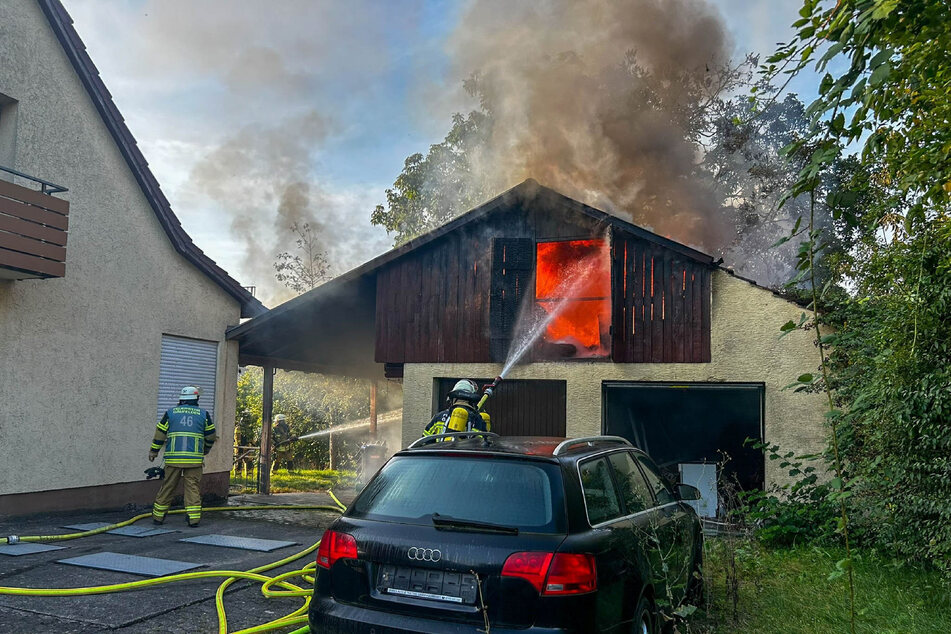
(573, 278)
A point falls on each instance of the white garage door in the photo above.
(187, 362)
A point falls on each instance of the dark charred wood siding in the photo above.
(456, 299)
(519, 407)
(433, 304)
(513, 260)
(660, 304)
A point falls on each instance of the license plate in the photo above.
(434, 585)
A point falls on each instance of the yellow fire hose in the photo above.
(296, 617)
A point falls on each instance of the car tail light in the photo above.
(554, 574)
(571, 574)
(529, 566)
(334, 546)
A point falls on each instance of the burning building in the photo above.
(609, 328)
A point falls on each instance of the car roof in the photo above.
(532, 446)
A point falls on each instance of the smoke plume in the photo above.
(571, 107)
(263, 176)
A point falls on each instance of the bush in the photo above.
(801, 512)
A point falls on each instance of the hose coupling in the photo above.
(13, 539)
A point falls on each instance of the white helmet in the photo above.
(190, 393)
(466, 390)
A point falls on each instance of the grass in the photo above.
(789, 591)
(302, 481)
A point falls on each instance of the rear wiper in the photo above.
(445, 522)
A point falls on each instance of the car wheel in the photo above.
(645, 618)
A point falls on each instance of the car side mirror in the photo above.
(687, 492)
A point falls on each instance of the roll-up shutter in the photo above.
(187, 362)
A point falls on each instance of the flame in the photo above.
(574, 278)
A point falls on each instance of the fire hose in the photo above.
(296, 617)
(487, 391)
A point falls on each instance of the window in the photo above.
(600, 496)
(512, 260)
(8, 133)
(656, 482)
(410, 489)
(573, 292)
(187, 362)
(634, 491)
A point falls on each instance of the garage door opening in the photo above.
(684, 426)
(519, 407)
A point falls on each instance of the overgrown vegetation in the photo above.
(885, 90)
(788, 591)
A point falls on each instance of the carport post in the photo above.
(372, 409)
(267, 407)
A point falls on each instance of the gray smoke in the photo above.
(262, 176)
(571, 109)
(260, 75)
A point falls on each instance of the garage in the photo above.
(689, 428)
(518, 407)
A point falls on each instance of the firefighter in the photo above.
(188, 434)
(462, 413)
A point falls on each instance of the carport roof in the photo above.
(332, 328)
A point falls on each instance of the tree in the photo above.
(433, 189)
(305, 269)
(311, 402)
(892, 98)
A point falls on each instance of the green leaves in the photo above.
(888, 93)
(880, 74)
(883, 9)
(791, 325)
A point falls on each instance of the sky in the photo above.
(254, 115)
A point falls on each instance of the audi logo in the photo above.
(424, 554)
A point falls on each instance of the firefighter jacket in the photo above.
(439, 422)
(187, 432)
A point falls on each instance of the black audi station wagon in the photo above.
(473, 532)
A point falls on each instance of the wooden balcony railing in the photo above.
(33, 228)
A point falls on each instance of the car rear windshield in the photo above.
(522, 494)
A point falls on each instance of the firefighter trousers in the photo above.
(191, 476)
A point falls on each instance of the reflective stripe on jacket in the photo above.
(188, 434)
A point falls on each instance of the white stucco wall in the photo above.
(745, 347)
(79, 356)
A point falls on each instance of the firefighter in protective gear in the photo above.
(188, 434)
(462, 414)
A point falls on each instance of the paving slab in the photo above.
(132, 530)
(88, 526)
(244, 543)
(27, 548)
(141, 531)
(133, 564)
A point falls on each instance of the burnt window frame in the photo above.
(534, 353)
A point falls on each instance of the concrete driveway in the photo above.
(185, 606)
